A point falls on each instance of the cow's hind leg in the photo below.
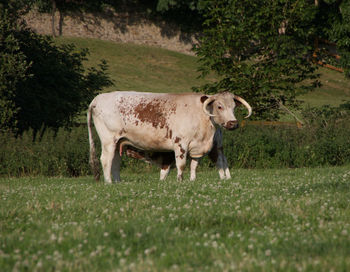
(116, 166)
(107, 157)
(180, 159)
(164, 172)
(167, 162)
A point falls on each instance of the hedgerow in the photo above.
(65, 153)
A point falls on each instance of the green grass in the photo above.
(335, 90)
(261, 220)
(142, 68)
(145, 68)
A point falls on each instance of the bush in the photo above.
(66, 153)
(61, 153)
(42, 84)
(273, 147)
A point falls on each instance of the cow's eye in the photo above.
(219, 107)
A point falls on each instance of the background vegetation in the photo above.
(43, 85)
(323, 141)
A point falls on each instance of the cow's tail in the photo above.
(94, 164)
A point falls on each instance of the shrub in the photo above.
(42, 84)
(66, 152)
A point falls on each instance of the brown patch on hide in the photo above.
(169, 133)
(154, 112)
(183, 151)
(122, 107)
(177, 139)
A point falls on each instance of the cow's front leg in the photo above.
(180, 158)
(194, 164)
(222, 165)
(227, 170)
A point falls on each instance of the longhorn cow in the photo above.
(182, 123)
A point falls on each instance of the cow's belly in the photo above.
(150, 140)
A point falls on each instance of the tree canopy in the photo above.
(264, 52)
(42, 84)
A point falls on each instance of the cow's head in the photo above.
(221, 108)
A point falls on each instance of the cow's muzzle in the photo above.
(230, 125)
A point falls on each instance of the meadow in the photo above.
(260, 220)
(145, 68)
(273, 215)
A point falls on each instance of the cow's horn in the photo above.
(245, 103)
(205, 104)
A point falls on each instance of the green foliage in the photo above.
(15, 8)
(260, 52)
(327, 115)
(273, 147)
(66, 153)
(186, 14)
(13, 69)
(333, 24)
(59, 153)
(42, 84)
(56, 153)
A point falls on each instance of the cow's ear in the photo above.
(203, 98)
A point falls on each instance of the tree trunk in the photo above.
(60, 22)
(53, 17)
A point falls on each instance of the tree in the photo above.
(42, 84)
(13, 63)
(64, 6)
(185, 13)
(261, 51)
(333, 25)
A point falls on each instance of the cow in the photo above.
(166, 160)
(158, 122)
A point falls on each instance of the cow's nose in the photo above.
(232, 124)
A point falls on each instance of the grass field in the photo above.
(144, 68)
(260, 220)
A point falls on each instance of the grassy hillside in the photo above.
(334, 90)
(144, 68)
